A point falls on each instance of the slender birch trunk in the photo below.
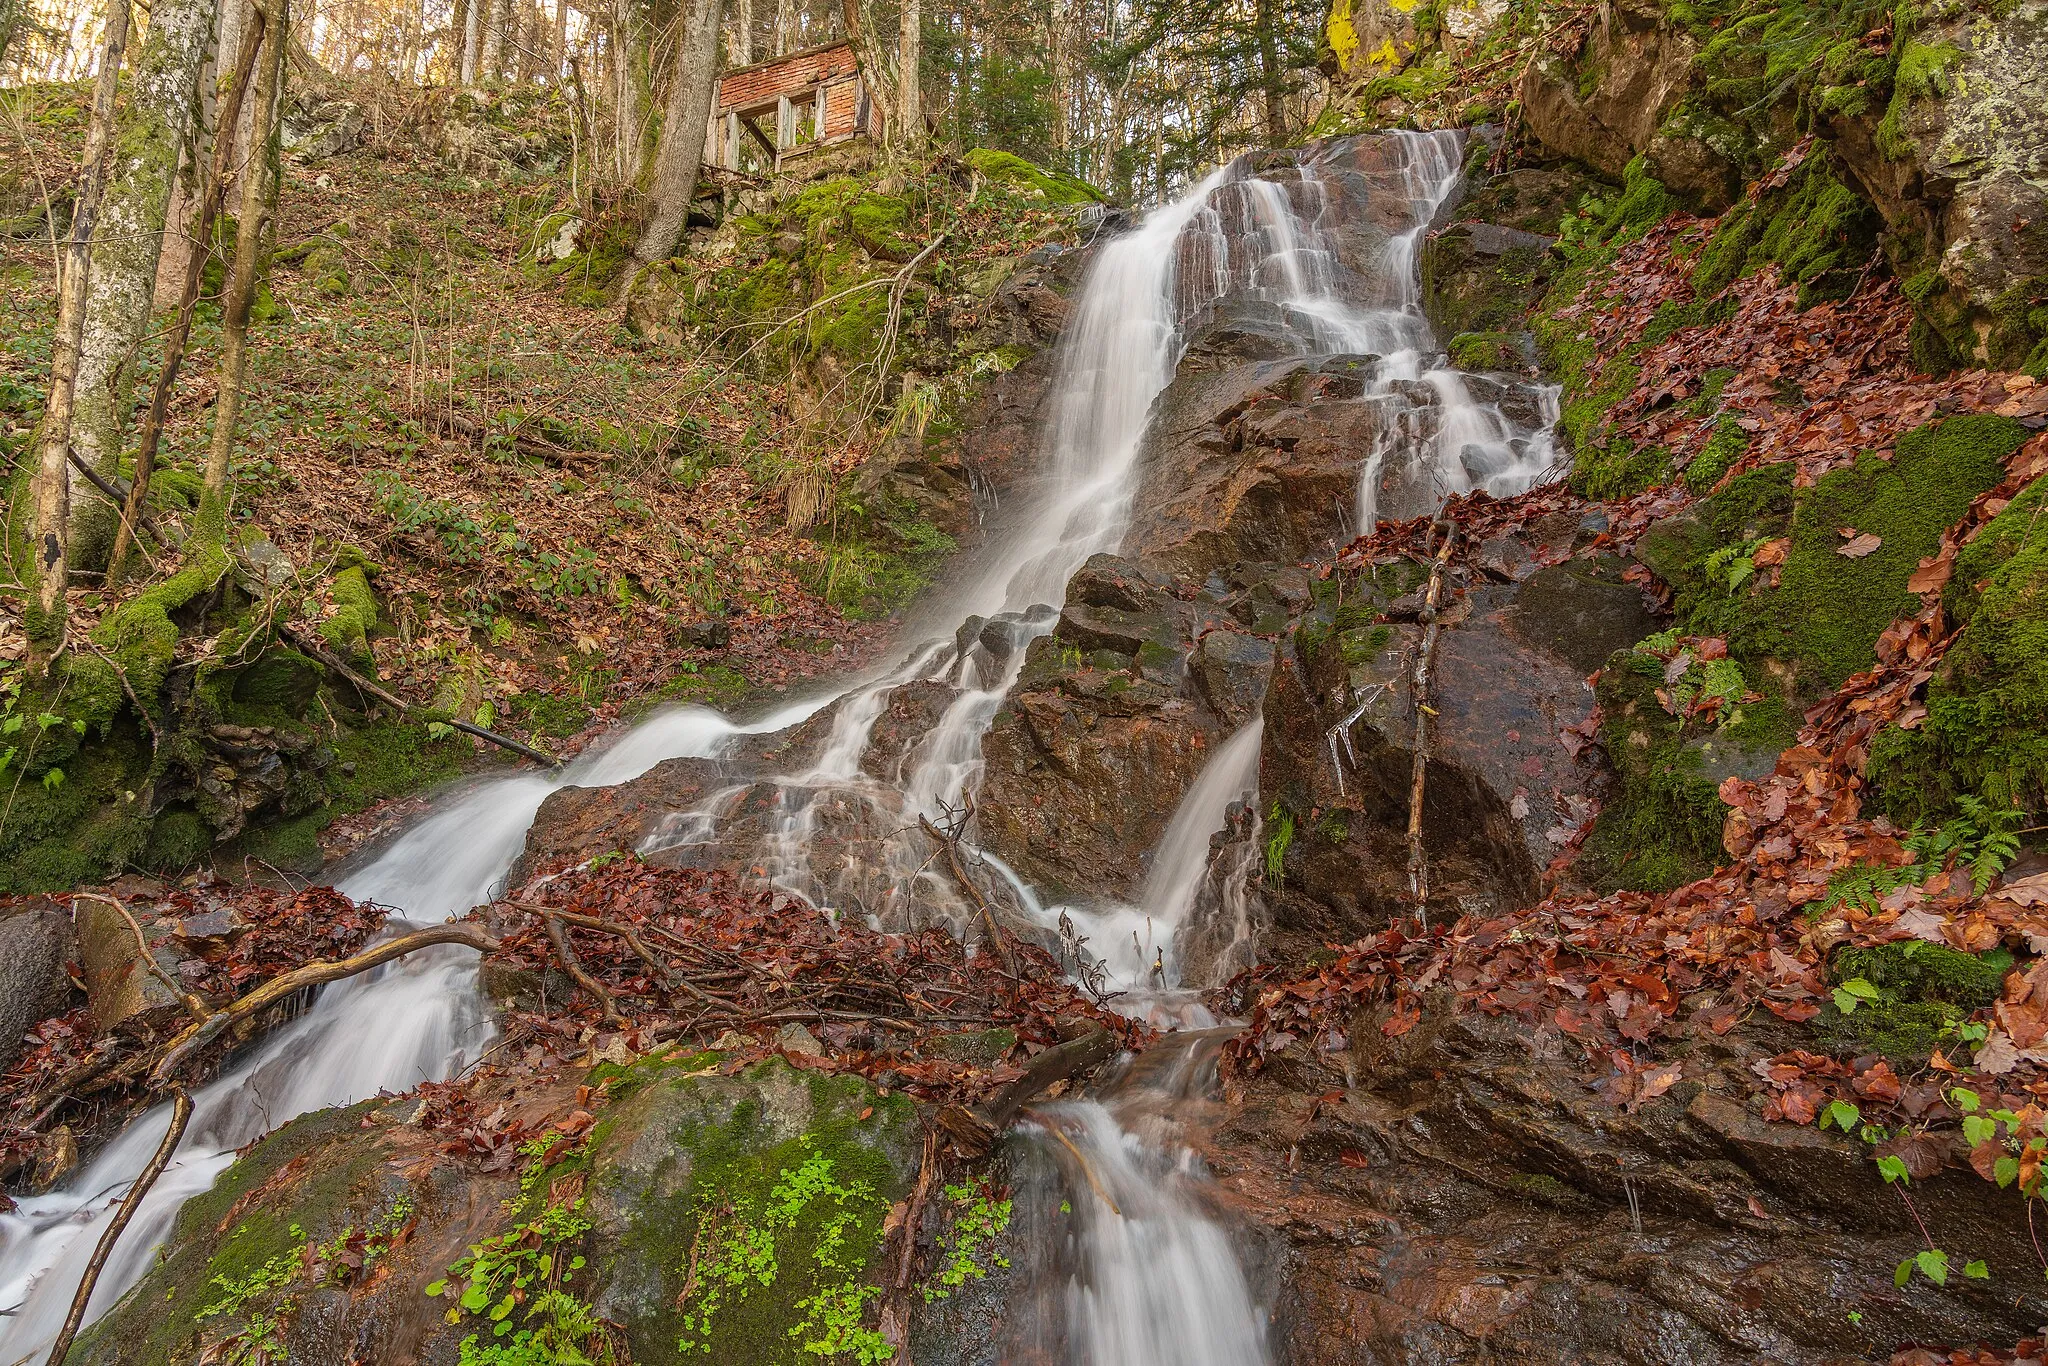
(212, 191)
(910, 89)
(743, 35)
(785, 25)
(154, 129)
(472, 36)
(234, 364)
(49, 568)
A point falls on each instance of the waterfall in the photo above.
(1154, 1278)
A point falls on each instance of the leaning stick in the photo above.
(1418, 868)
(181, 1114)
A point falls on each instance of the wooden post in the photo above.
(732, 141)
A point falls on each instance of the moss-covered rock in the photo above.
(354, 616)
(1916, 995)
(692, 1167)
(1821, 620)
(1986, 728)
(1037, 181)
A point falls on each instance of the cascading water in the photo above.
(422, 1019)
(1148, 1277)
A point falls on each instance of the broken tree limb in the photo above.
(181, 1115)
(333, 661)
(976, 1130)
(950, 842)
(319, 973)
(1418, 868)
(633, 942)
(470, 429)
(567, 953)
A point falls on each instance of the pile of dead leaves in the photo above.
(660, 954)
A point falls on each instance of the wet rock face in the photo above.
(1645, 62)
(1114, 716)
(576, 823)
(1957, 166)
(1469, 1200)
(1502, 792)
(36, 940)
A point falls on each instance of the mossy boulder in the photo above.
(1033, 180)
(353, 616)
(1820, 621)
(689, 1161)
(1986, 728)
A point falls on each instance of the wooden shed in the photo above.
(807, 100)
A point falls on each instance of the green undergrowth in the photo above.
(1818, 231)
(773, 1187)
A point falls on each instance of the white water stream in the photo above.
(1154, 1281)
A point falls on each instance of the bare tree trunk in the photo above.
(873, 65)
(493, 41)
(472, 39)
(910, 88)
(785, 25)
(681, 150)
(211, 192)
(48, 572)
(1062, 76)
(155, 127)
(234, 363)
(1271, 79)
(743, 35)
(561, 47)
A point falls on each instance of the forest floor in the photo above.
(565, 584)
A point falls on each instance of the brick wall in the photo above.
(764, 82)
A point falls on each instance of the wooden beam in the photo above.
(767, 143)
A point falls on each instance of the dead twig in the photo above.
(949, 840)
(181, 1115)
(1418, 868)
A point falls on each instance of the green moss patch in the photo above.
(1986, 729)
(1822, 620)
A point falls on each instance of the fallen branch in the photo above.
(181, 1115)
(950, 842)
(319, 973)
(563, 950)
(976, 1130)
(1418, 868)
(333, 661)
(1087, 1170)
(472, 430)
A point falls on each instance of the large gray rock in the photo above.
(36, 940)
